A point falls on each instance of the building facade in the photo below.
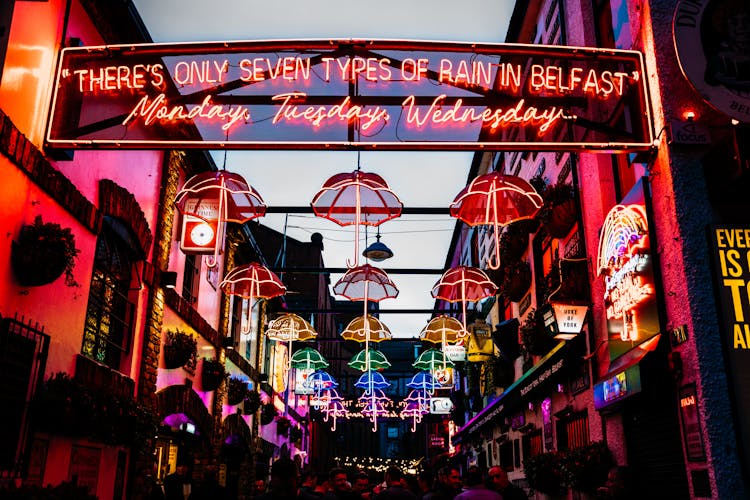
(653, 374)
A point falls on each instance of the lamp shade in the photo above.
(377, 252)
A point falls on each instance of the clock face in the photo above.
(202, 234)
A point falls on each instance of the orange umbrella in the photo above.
(496, 199)
(373, 330)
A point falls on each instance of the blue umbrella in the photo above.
(320, 380)
(371, 380)
(424, 381)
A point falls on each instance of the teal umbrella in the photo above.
(372, 360)
(308, 358)
(431, 357)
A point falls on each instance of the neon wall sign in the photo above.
(349, 94)
(626, 264)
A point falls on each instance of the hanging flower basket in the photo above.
(43, 252)
(295, 434)
(545, 474)
(587, 467)
(516, 280)
(252, 403)
(267, 414)
(560, 209)
(282, 426)
(180, 347)
(236, 390)
(515, 239)
(213, 374)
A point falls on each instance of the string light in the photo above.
(378, 464)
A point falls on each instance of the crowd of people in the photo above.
(287, 482)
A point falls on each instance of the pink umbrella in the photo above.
(356, 198)
(463, 284)
(496, 199)
(219, 195)
(252, 281)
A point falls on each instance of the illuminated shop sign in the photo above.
(617, 387)
(338, 94)
(625, 261)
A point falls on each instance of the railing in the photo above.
(23, 357)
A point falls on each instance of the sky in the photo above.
(291, 178)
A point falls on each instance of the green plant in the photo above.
(180, 347)
(267, 414)
(66, 490)
(586, 468)
(236, 390)
(66, 407)
(544, 473)
(559, 210)
(282, 425)
(43, 252)
(252, 402)
(213, 373)
(516, 279)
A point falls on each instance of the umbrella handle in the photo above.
(496, 264)
(246, 328)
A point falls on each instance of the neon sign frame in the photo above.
(349, 94)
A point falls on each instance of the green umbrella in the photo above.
(308, 358)
(431, 357)
(377, 360)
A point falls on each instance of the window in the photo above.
(110, 310)
(613, 24)
(532, 444)
(573, 431)
(506, 456)
(191, 278)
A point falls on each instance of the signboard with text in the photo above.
(730, 246)
(350, 94)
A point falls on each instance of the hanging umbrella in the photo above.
(371, 380)
(308, 358)
(423, 381)
(373, 360)
(289, 327)
(415, 404)
(225, 194)
(356, 198)
(372, 330)
(444, 330)
(373, 404)
(368, 284)
(319, 381)
(335, 409)
(496, 199)
(463, 284)
(429, 358)
(252, 281)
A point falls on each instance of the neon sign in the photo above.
(622, 261)
(344, 94)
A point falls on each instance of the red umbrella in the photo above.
(252, 281)
(496, 199)
(463, 284)
(366, 283)
(356, 198)
(219, 195)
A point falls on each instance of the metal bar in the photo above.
(313, 310)
(404, 211)
(342, 270)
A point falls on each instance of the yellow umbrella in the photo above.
(372, 331)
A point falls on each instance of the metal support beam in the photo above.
(404, 211)
(342, 270)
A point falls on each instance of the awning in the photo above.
(632, 357)
(531, 381)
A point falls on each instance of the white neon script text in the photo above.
(159, 109)
(495, 117)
